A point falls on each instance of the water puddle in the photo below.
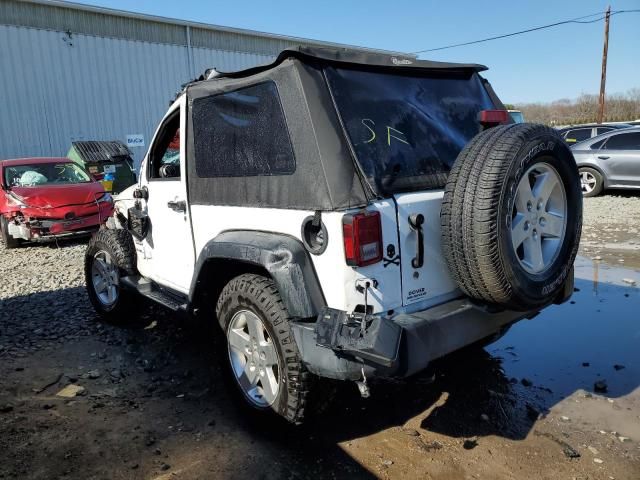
(594, 337)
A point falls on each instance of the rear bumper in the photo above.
(421, 337)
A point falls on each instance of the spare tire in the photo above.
(512, 216)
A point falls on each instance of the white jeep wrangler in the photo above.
(342, 215)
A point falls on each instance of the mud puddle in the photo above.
(593, 338)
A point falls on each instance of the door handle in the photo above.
(177, 205)
(416, 220)
(603, 157)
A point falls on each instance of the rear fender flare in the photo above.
(283, 257)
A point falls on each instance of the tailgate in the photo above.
(431, 282)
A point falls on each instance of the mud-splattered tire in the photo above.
(510, 238)
(7, 240)
(257, 331)
(111, 255)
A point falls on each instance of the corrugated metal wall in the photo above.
(70, 72)
(55, 89)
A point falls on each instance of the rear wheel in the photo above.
(7, 240)
(591, 182)
(111, 255)
(263, 358)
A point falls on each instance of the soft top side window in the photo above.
(242, 133)
(165, 153)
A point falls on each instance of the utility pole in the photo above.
(603, 78)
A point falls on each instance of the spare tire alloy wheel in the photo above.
(539, 218)
(512, 216)
(105, 279)
(254, 359)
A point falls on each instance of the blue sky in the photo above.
(560, 62)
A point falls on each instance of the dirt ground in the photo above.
(155, 404)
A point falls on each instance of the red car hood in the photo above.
(53, 196)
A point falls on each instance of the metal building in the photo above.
(73, 72)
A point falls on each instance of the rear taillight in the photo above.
(493, 117)
(362, 238)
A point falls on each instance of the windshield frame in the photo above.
(79, 169)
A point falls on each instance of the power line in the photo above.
(533, 29)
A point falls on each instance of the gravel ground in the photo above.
(611, 229)
(153, 402)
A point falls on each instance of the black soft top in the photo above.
(358, 58)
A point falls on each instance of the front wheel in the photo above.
(8, 241)
(110, 255)
(591, 182)
(263, 358)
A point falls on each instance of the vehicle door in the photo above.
(168, 256)
(621, 154)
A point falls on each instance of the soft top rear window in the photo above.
(407, 130)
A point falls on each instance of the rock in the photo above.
(411, 432)
(564, 418)
(596, 258)
(630, 281)
(624, 439)
(165, 466)
(157, 451)
(93, 374)
(526, 382)
(600, 386)
(470, 443)
(592, 450)
(387, 463)
(150, 441)
(618, 367)
(597, 460)
(484, 417)
(70, 391)
(6, 408)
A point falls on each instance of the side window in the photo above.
(165, 153)
(624, 141)
(598, 144)
(601, 130)
(578, 135)
(242, 133)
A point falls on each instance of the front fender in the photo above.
(282, 256)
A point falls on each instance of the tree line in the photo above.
(619, 107)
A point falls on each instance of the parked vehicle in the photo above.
(580, 133)
(342, 215)
(516, 116)
(109, 160)
(609, 161)
(47, 198)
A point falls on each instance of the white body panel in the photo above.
(337, 279)
(431, 283)
(166, 255)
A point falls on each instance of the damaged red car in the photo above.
(47, 198)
